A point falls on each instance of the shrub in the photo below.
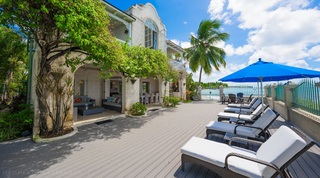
(138, 109)
(12, 124)
(170, 101)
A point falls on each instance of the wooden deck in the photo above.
(131, 147)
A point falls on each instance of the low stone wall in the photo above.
(307, 122)
(281, 109)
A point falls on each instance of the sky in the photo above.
(280, 31)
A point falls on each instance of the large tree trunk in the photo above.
(199, 85)
(200, 74)
(54, 89)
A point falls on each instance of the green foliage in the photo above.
(214, 85)
(140, 62)
(202, 53)
(138, 109)
(12, 124)
(187, 101)
(170, 101)
(13, 63)
(191, 87)
(61, 27)
(77, 31)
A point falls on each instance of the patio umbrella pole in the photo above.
(261, 93)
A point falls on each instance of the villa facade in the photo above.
(139, 25)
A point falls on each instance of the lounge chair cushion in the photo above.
(226, 127)
(248, 110)
(215, 153)
(264, 120)
(233, 105)
(279, 148)
(228, 115)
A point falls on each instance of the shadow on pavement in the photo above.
(22, 158)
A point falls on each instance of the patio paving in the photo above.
(128, 147)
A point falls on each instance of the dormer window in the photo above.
(151, 34)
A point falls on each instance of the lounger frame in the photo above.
(225, 172)
(262, 136)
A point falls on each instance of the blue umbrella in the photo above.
(268, 71)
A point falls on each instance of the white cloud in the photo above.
(229, 49)
(315, 51)
(183, 44)
(216, 8)
(216, 75)
(244, 49)
(185, 22)
(281, 31)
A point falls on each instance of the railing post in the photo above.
(288, 97)
(273, 93)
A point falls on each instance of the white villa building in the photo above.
(139, 25)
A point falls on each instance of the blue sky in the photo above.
(279, 31)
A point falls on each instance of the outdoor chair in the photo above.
(249, 99)
(152, 98)
(242, 118)
(240, 97)
(270, 160)
(249, 105)
(232, 98)
(244, 109)
(257, 131)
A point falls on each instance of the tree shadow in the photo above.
(22, 158)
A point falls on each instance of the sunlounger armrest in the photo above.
(250, 126)
(244, 139)
(254, 160)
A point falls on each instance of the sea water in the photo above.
(214, 93)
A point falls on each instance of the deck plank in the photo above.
(147, 147)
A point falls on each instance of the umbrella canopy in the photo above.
(269, 71)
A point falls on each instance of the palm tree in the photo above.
(203, 53)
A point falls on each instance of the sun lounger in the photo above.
(249, 105)
(270, 160)
(243, 118)
(243, 109)
(258, 130)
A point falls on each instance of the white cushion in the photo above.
(226, 127)
(264, 120)
(279, 148)
(232, 105)
(239, 105)
(215, 153)
(227, 109)
(228, 115)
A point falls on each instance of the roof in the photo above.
(117, 12)
(175, 46)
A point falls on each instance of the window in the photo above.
(151, 34)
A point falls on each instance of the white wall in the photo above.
(93, 83)
(141, 13)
